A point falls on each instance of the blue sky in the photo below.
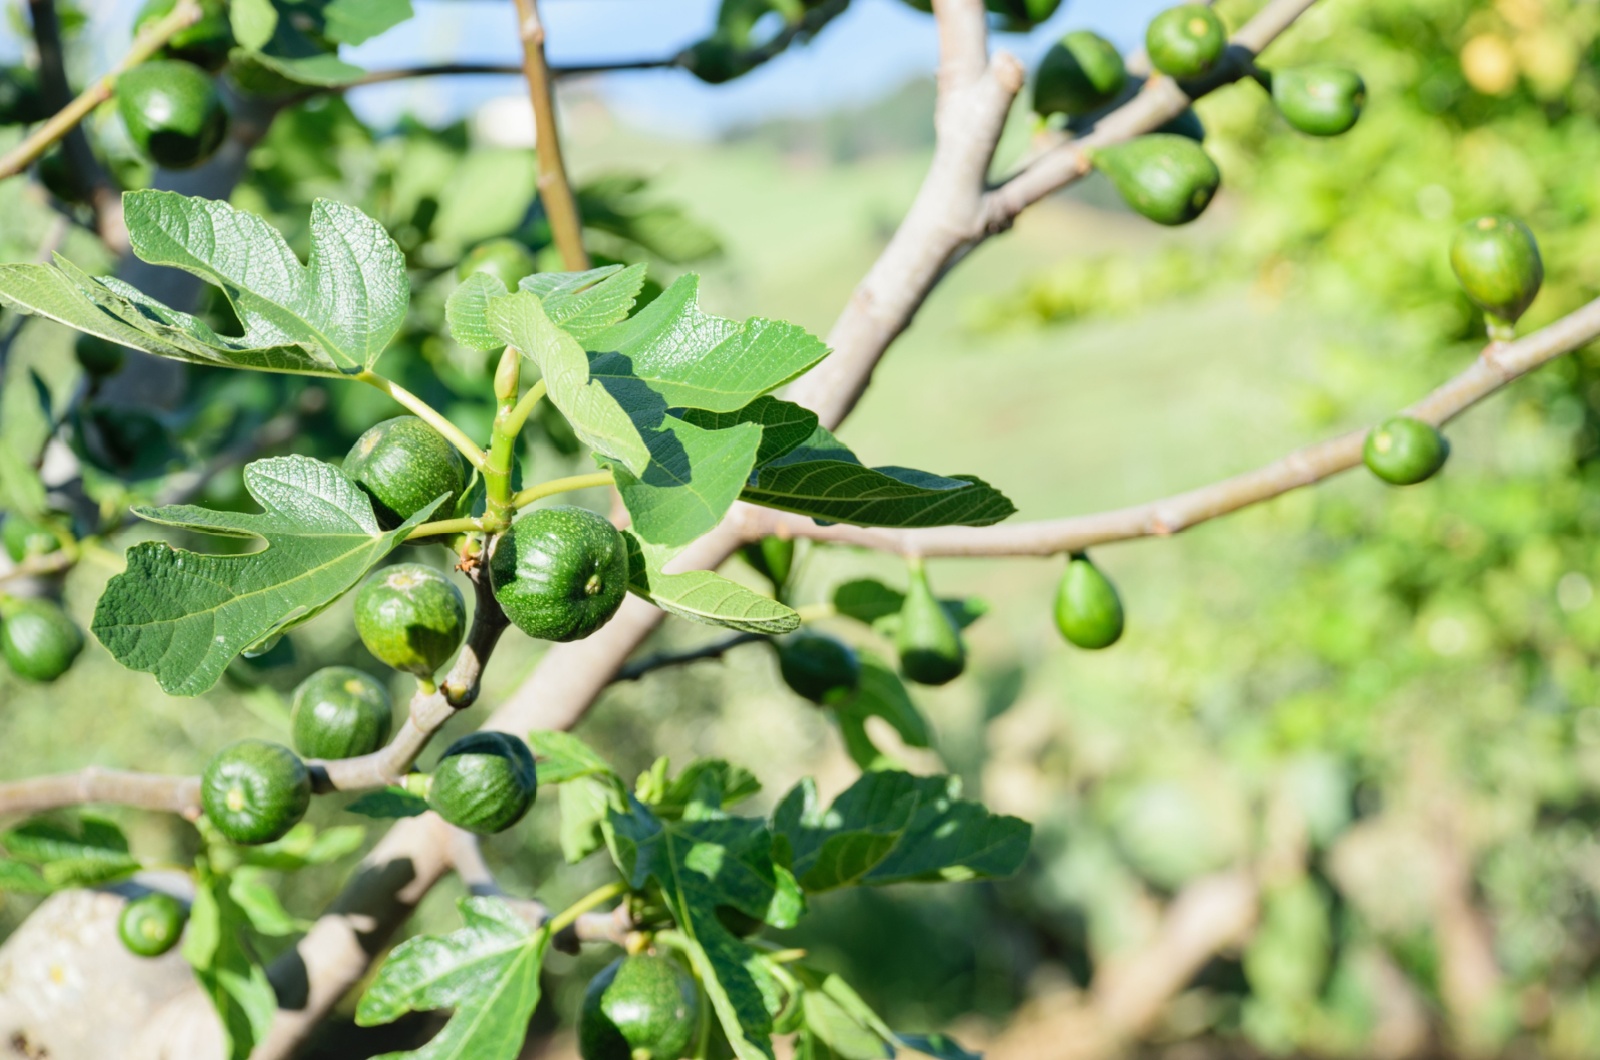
(875, 47)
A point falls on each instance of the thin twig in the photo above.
(1497, 366)
(146, 44)
(555, 192)
(715, 650)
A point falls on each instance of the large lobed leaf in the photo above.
(891, 827)
(700, 866)
(488, 971)
(184, 616)
(704, 596)
(333, 315)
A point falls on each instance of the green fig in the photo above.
(931, 652)
(1088, 609)
(20, 101)
(1497, 261)
(151, 924)
(410, 617)
(39, 640)
(25, 538)
(1186, 42)
(204, 42)
(1081, 73)
(173, 112)
(1404, 451)
(1169, 179)
(772, 557)
(1019, 16)
(1320, 100)
(99, 358)
(821, 668)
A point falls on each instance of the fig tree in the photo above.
(507, 260)
(931, 652)
(173, 112)
(1404, 451)
(404, 465)
(1186, 41)
(254, 791)
(410, 617)
(821, 668)
(1169, 179)
(1088, 609)
(484, 782)
(24, 537)
(1320, 100)
(560, 573)
(340, 712)
(39, 640)
(639, 1008)
(151, 924)
(1081, 73)
(1497, 261)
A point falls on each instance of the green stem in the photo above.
(502, 443)
(561, 485)
(524, 408)
(428, 413)
(599, 896)
(443, 526)
(816, 612)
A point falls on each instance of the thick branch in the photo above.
(145, 791)
(146, 44)
(1498, 365)
(555, 192)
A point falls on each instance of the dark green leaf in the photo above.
(81, 853)
(785, 426)
(707, 788)
(184, 616)
(936, 1045)
(701, 866)
(825, 480)
(692, 360)
(354, 21)
(883, 695)
(488, 971)
(233, 979)
(869, 600)
(703, 596)
(389, 803)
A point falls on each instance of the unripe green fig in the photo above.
(340, 712)
(1497, 261)
(1186, 125)
(931, 652)
(39, 640)
(1088, 609)
(1404, 451)
(151, 924)
(772, 557)
(404, 465)
(1186, 41)
(410, 617)
(1021, 15)
(254, 791)
(25, 538)
(20, 100)
(716, 61)
(98, 357)
(1169, 179)
(821, 668)
(1320, 100)
(1081, 73)
(507, 260)
(57, 176)
(639, 1008)
(485, 782)
(560, 573)
(204, 42)
(173, 112)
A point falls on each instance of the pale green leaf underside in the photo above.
(488, 971)
(183, 616)
(343, 306)
(694, 360)
(596, 417)
(707, 597)
(584, 304)
(466, 311)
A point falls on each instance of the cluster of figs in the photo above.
(170, 105)
(1167, 176)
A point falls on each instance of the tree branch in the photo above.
(146, 44)
(715, 650)
(145, 791)
(90, 178)
(1498, 365)
(560, 206)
